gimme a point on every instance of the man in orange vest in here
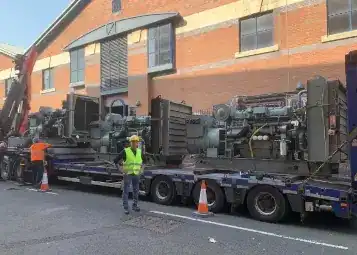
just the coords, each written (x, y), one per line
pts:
(37, 151)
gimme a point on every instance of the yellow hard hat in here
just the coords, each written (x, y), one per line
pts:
(134, 138)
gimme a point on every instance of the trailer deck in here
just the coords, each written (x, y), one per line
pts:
(301, 193)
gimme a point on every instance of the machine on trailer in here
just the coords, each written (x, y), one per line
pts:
(288, 132)
(312, 132)
(75, 133)
(163, 133)
(269, 193)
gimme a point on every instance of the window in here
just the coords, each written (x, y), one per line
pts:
(257, 32)
(116, 6)
(342, 16)
(161, 48)
(8, 83)
(77, 66)
(47, 79)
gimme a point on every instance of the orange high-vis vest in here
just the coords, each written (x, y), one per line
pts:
(38, 151)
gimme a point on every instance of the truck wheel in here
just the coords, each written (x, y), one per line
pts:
(215, 196)
(266, 203)
(19, 173)
(5, 170)
(163, 190)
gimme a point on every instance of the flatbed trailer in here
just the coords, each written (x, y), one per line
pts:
(268, 197)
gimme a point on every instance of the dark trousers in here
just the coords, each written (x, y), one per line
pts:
(37, 171)
(134, 180)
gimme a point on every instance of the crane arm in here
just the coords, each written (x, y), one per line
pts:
(14, 114)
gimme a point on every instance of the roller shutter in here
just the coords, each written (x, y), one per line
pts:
(114, 65)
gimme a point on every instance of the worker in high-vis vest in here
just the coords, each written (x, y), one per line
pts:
(37, 151)
(131, 161)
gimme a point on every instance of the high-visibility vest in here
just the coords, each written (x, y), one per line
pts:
(38, 151)
(132, 163)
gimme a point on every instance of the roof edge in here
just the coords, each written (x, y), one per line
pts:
(121, 26)
(10, 50)
(7, 54)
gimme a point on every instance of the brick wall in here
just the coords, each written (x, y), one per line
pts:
(99, 12)
(5, 62)
(207, 70)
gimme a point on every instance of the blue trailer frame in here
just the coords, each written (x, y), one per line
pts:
(338, 194)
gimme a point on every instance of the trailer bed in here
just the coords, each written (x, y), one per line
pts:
(332, 190)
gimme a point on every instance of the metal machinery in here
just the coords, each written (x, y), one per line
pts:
(162, 134)
(269, 194)
(111, 135)
(77, 132)
(290, 132)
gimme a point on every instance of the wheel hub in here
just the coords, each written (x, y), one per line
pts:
(265, 203)
(162, 190)
(211, 197)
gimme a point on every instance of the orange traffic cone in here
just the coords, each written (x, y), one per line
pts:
(202, 210)
(44, 183)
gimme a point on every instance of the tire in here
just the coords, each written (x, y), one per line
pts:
(19, 173)
(219, 200)
(5, 170)
(167, 195)
(276, 200)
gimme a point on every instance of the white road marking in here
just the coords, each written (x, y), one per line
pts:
(53, 210)
(48, 192)
(254, 231)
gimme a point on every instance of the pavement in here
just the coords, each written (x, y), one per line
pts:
(71, 221)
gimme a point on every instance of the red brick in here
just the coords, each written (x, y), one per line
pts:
(5, 62)
(252, 75)
(209, 47)
(90, 18)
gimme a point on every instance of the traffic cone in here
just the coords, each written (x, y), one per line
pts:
(44, 183)
(202, 210)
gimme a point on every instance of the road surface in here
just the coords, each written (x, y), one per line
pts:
(69, 221)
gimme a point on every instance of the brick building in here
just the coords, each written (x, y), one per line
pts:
(201, 51)
(7, 54)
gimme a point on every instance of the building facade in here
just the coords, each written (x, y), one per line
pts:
(203, 52)
(7, 55)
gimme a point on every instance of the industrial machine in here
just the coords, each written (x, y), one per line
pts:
(266, 152)
(292, 132)
(111, 134)
(78, 132)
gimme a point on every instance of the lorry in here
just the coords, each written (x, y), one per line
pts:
(274, 159)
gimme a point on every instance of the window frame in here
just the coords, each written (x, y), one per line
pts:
(76, 56)
(256, 32)
(116, 6)
(171, 48)
(349, 12)
(8, 86)
(51, 79)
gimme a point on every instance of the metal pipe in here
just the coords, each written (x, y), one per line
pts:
(327, 208)
(299, 96)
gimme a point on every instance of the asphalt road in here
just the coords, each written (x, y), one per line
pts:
(71, 221)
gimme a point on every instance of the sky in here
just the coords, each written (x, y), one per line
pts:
(22, 21)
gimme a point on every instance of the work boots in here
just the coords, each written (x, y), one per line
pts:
(136, 208)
